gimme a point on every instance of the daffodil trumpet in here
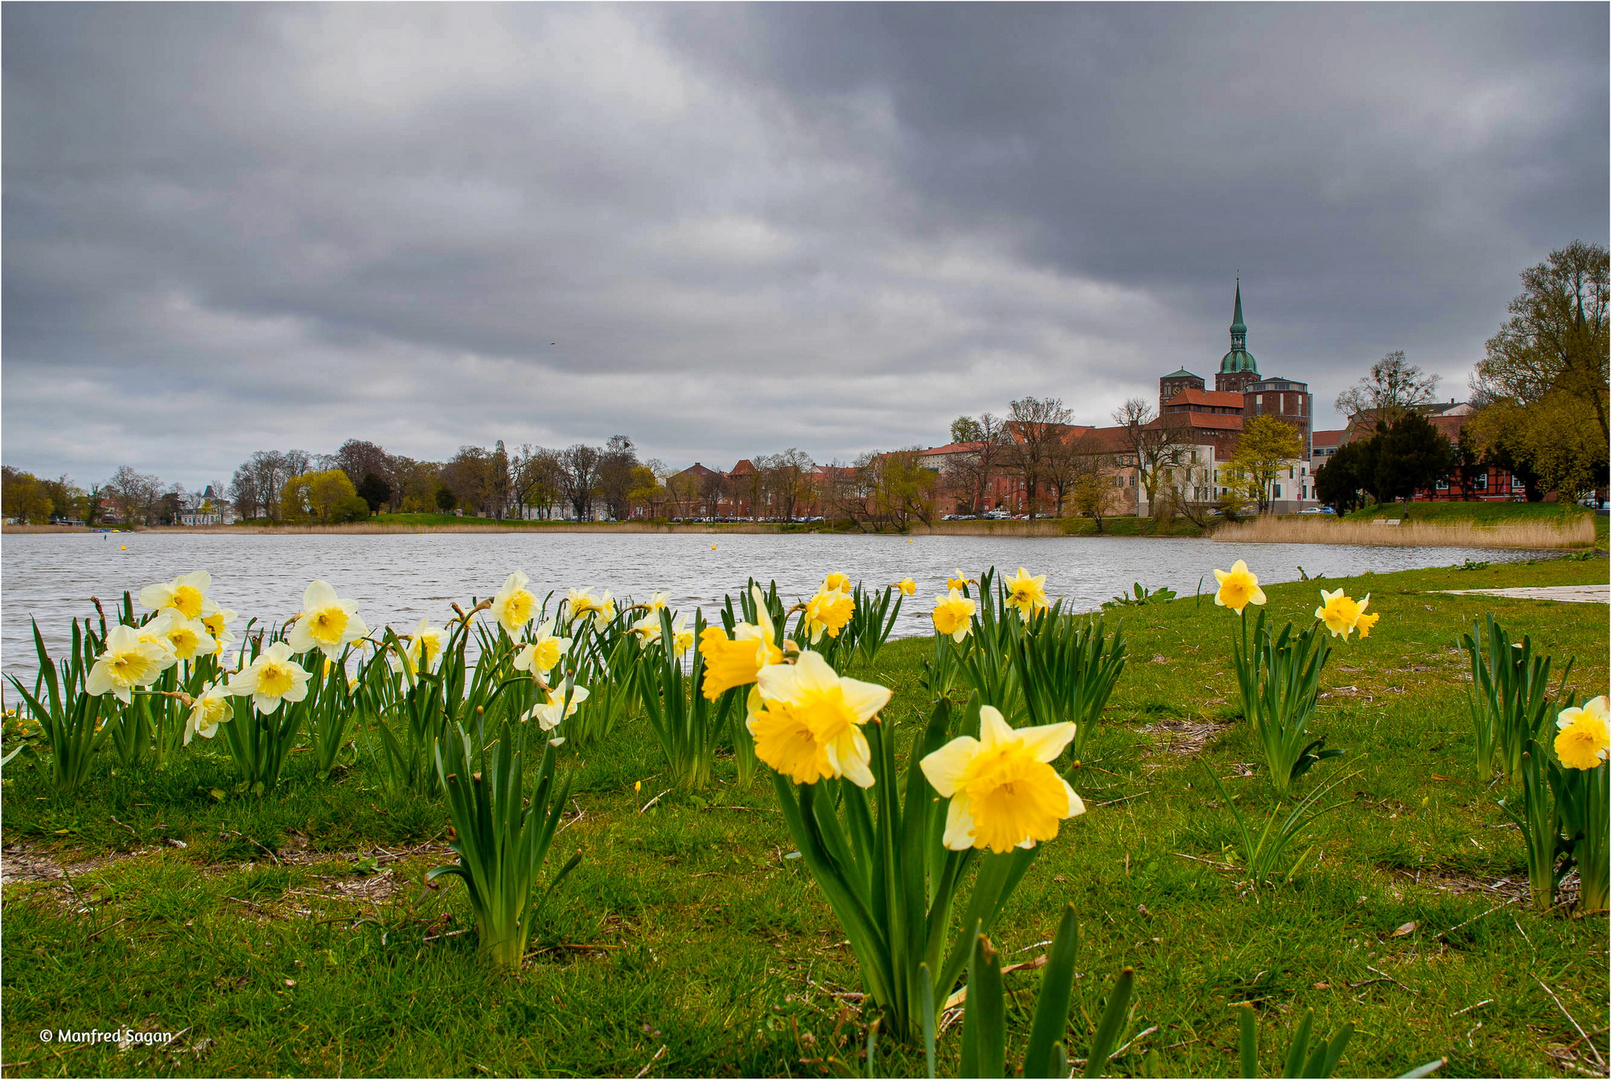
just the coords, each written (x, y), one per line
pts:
(501, 837)
(877, 854)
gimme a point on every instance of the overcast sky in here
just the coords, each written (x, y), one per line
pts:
(727, 230)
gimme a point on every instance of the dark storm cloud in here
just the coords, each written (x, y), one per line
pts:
(837, 227)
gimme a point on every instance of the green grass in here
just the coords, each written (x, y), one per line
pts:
(687, 927)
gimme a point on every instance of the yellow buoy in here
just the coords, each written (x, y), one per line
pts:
(125, 547)
(713, 547)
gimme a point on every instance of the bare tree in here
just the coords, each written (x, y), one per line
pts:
(578, 477)
(615, 475)
(1392, 388)
(1159, 450)
(534, 482)
(968, 473)
(1035, 425)
(788, 479)
(135, 494)
(468, 474)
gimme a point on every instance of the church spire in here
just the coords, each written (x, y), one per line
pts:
(1238, 327)
(1238, 359)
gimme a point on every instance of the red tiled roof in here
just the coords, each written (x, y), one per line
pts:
(743, 468)
(1222, 399)
(1222, 421)
(1327, 438)
(953, 448)
(1108, 440)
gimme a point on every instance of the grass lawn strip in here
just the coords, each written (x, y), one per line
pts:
(690, 943)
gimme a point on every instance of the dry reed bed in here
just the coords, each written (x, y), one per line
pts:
(1574, 533)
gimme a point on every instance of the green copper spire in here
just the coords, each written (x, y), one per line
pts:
(1238, 359)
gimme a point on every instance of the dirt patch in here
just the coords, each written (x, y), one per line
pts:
(1183, 736)
(1502, 890)
(19, 863)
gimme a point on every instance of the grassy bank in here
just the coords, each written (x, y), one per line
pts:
(297, 935)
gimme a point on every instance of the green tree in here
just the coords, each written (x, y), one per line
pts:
(325, 496)
(1347, 476)
(1410, 454)
(1267, 446)
(445, 499)
(1543, 383)
(24, 497)
(375, 492)
(965, 429)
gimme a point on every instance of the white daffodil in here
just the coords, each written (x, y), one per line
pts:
(208, 711)
(514, 604)
(561, 702)
(186, 594)
(582, 604)
(543, 653)
(328, 623)
(156, 631)
(647, 630)
(425, 646)
(657, 601)
(127, 662)
(272, 678)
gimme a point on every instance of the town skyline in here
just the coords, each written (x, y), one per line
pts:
(729, 231)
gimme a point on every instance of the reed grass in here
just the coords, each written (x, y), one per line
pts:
(1574, 532)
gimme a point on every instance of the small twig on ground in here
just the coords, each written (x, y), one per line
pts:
(1468, 922)
(1127, 798)
(658, 1054)
(1595, 1050)
(104, 929)
(449, 933)
(1390, 978)
(1468, 1008)
(650, 803)
(132, 833)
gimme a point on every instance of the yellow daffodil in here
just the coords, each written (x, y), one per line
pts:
(739, 660)
(514, 605)
(828, 611)
(953, 614)
(1584, 739)
(1365, 622)
(808, 722)
(958, 580)
(328, 623)
(907, 586)
(561, 702)
(217, 625)
(543, 653)
(425, 646)
(1004, 792)
(1027, 594)
(208, 711)
(186, 594)
(1239, 588)
(682, 637)
(1341, 614)
(272, 678)
(657, 601)
(836, 582)
(125, 663)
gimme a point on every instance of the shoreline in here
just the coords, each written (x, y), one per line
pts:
(1041, 527)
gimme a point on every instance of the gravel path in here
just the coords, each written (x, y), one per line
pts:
(1574, 594)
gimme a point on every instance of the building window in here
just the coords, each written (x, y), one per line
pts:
(1278, 491)
(1258, 399)
(1442, 484)
(1480, 482)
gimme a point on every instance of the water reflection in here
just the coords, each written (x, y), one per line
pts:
(398, 579)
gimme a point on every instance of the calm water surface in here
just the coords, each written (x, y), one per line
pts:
(398, 579)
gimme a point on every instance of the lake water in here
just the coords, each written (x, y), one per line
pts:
(398, 579)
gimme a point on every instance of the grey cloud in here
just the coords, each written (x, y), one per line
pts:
(230, 227)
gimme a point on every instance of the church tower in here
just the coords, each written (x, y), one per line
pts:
(1238, 369)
